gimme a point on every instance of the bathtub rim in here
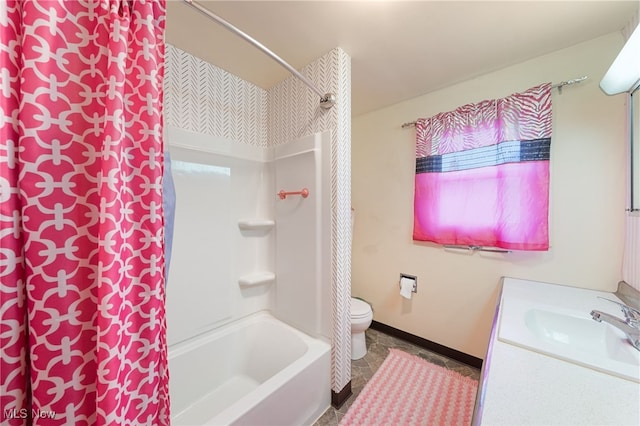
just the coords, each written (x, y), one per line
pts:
(228, 327)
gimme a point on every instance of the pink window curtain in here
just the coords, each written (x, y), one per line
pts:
(482, 173)
(82, 329)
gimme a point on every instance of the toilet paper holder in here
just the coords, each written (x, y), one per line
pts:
(411, 277)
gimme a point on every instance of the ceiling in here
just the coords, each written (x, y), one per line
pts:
(399, 49)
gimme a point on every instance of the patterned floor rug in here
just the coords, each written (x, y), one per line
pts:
(408, 390)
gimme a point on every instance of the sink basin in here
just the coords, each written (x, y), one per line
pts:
(564, 329)
(570, 335)
(580, 334)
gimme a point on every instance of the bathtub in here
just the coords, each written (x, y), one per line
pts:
(255, 371)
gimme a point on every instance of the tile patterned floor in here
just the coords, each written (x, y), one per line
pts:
(378, 345)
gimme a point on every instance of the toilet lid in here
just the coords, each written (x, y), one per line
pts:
(359, 308)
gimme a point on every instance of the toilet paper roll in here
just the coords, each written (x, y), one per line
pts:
(406, 287)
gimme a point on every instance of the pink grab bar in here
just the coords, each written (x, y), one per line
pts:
(283, 194)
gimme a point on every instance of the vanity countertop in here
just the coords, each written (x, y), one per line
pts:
(521, 386)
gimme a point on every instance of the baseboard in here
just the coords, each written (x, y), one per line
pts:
(428, 344)
(339, 398)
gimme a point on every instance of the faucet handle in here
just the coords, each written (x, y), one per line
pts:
(631, 314)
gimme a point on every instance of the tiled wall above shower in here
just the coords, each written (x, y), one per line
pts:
(205, 99)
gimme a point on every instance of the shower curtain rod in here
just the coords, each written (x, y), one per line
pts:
(558, 86)
(326, 101)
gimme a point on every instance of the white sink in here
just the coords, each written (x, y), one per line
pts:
(566, 329)
(562, 327)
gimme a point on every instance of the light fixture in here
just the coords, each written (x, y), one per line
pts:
(624, 74)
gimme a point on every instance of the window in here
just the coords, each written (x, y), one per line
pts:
(482, 173)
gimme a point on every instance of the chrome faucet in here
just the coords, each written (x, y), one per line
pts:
(630, 325)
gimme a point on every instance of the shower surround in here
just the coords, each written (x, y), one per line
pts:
(250, 129)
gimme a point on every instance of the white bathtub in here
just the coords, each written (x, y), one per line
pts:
(256, 371)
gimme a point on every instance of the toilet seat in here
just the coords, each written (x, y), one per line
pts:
(359, 309)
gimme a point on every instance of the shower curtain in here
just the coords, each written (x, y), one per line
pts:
(82, 330)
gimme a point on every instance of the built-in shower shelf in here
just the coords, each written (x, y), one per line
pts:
(257, 278)
(256, 224)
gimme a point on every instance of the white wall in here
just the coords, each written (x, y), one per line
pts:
(457, 291)
(303, 291)
(218, 183)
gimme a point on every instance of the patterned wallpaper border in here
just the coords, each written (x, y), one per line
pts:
(203, 98)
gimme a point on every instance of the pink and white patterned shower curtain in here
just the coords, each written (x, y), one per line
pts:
(482, 173)
(82, 331)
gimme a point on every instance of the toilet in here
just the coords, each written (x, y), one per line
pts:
(361, 317)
